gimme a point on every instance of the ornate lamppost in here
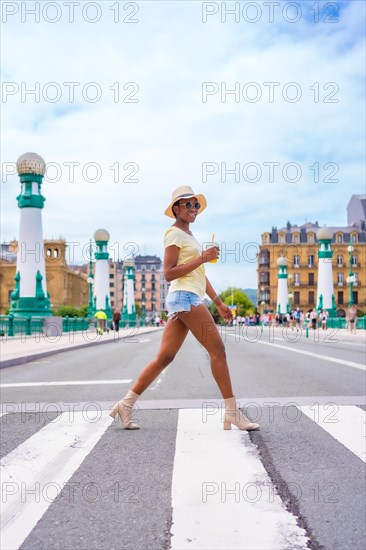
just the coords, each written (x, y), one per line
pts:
(351, 279)
(143, 304)
(90, 281)
(290, 294)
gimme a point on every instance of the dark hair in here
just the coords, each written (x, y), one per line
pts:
(175, 204)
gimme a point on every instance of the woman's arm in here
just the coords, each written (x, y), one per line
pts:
(173, 271)
(222, 308)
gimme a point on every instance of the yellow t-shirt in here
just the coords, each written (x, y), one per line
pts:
(189, 249)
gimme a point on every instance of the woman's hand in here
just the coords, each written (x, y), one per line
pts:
(225, 312)
(210, 254)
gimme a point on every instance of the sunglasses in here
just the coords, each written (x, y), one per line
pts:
(189, 205)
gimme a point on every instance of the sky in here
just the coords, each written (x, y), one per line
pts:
(257, 105)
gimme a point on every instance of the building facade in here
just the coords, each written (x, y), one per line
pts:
(66, 286)
(150, 284)
(299, 245)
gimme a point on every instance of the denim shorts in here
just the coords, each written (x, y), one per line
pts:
(181, 300)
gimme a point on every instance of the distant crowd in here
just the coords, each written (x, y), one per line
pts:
(312, 319)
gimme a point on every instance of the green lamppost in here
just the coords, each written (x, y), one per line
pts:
(351, 277)
(290, 295)
(143, 304)
(90, 281)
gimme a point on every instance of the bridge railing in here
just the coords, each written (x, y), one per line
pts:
(11, 325)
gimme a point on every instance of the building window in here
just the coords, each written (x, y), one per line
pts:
(49, 253)
(296, 239)
(340, 298)
(296, 261)
(112, 293)
(297, 279)
(354, 261)
(282, 239)
(355, 297)
(340, 260)
(340, 279)
(311, 299)
(310, 279)
(356, 278)
(339, 238)
(296, 298)
(111, 275)
(353, 238)
(112, 303)
(311, 238)
(111, 285)
(55, 253)
(266, 239)
(264, 259)
(311, 260)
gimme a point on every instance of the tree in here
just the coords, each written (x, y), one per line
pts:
(70, 311)
(237, 297)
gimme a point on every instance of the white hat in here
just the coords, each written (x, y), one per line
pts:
(185, 192)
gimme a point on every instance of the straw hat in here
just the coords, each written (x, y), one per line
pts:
(185, 192)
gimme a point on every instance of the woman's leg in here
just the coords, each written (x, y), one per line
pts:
(200, 322)
(174, 335)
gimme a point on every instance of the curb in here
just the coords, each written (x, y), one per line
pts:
(22, 360)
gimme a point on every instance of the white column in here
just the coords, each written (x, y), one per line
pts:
(101, 285)
(30, 257)
(282, 295)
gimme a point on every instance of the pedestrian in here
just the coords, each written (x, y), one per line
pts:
(116, 319)
(184, 262)
(313, 319)
(297, 317)
(101, 318)
(324, 318)
(352, 319)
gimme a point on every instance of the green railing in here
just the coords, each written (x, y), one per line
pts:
(341, 322)
(75, 324)
(11, 326)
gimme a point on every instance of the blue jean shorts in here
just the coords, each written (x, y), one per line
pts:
(181, 300)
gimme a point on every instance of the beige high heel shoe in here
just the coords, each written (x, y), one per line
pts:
(124, 410)
(234, 416)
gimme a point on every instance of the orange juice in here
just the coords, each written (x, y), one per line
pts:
(213, 244)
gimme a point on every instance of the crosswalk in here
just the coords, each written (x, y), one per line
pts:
(220, 495)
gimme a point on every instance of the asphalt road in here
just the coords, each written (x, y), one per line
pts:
(119, 496)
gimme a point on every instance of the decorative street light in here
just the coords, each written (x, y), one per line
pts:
(351, 279)
(90, 281)
(290, 295)
(143, 303)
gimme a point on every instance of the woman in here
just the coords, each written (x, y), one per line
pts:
(184, 266)
(352, 318)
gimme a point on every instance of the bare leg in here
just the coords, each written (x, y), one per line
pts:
(174, 335)
(200, 322)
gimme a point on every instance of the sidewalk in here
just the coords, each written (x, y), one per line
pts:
(17, 350)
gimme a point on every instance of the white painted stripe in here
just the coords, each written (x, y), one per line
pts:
(64, 383)
(37, 470)
(221, 494)
(347, 424)
(309, 353)
(329, 342)
(3, 413)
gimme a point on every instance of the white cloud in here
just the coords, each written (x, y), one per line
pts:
(170, 132)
